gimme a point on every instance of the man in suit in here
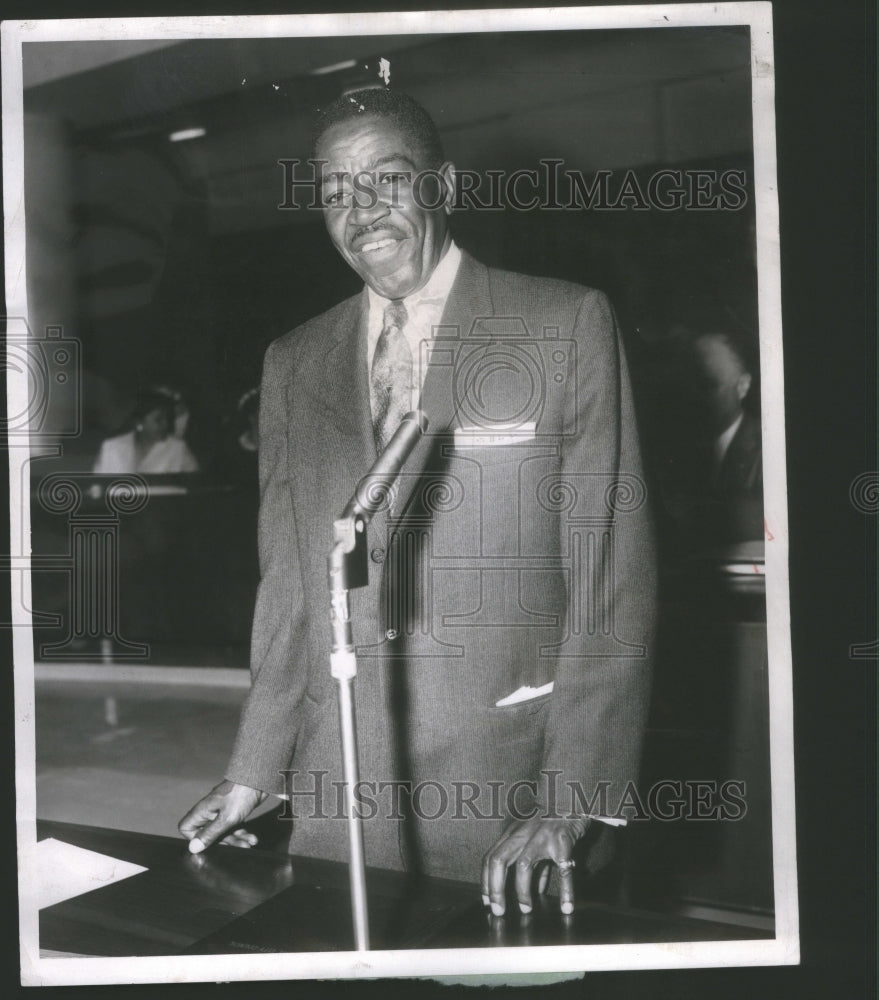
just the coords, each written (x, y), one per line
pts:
(733, 440)
(504, 637)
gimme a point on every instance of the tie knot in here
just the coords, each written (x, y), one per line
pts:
(395, 314)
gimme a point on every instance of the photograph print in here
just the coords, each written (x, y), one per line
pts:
(398, 505)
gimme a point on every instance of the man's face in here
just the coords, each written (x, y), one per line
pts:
(380, 218)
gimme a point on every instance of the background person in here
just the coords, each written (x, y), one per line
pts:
(732, 436)
(150, 447)
(238, 456)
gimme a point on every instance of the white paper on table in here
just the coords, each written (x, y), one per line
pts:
(62, 871)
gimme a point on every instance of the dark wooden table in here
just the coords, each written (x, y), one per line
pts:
(230, 901)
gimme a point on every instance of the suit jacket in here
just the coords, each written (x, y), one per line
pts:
(741, 472)
(507, 559)
(740, 485)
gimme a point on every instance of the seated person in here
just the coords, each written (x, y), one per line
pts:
(733, 478)
(149, 447)
(248, 418)
(236, 457)
(709, 457)
(180, 409)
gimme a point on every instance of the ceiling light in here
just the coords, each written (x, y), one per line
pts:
(187, 133)
(334, 67)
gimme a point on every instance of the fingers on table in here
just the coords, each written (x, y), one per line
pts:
(213, 821)
(240, 838)
(200, 815)
(531, 857)
(543, 870)
(494, 876)
(214, 830)
(498, 864)
(524, 877)
(529, 869)
(563, 847)
(566, 886)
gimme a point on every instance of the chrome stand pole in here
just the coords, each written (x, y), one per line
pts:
(343, 666)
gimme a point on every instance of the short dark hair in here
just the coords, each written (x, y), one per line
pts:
(150, 398)
(399, 108)
(735, 344)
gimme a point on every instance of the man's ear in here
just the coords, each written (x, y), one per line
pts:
(447, 172)
(743, 385)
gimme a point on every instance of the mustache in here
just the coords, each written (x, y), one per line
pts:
(384, 229)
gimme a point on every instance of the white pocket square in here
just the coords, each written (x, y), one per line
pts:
(490, 435)
(524, 693)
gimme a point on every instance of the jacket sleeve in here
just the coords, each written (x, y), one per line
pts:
(271, 714)
(598, 709)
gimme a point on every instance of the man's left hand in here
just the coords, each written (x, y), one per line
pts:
(532, 846)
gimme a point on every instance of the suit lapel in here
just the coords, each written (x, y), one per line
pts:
(335, 382)
(739, 465)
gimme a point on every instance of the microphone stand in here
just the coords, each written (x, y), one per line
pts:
(348, 569)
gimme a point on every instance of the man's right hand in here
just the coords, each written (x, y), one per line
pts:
(219, 812)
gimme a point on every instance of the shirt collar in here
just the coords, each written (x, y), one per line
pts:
(723, 441)
(434, 292)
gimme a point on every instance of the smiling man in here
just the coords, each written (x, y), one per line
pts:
(378, 177)
(504, 638)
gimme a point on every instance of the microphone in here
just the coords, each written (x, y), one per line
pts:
(372, 490)
(348, 569)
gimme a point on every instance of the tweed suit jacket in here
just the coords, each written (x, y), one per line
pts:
(517, 551)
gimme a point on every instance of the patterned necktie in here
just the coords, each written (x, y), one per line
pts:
(391, 378)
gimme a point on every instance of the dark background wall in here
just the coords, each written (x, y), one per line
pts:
(181, 268)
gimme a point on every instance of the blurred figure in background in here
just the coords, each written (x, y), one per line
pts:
(708, 454)
(248, 413)
(180, 409)
(733, 443)
(241, 440)
(150, 447)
